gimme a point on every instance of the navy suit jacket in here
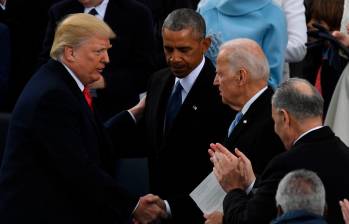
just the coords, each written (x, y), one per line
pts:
(57, 165)
(254, 135)
(319, 151)
(131, 54)
(4, 62)
(26, 22)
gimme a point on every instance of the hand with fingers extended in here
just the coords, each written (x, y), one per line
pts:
(345, 210)
(215, 217)
(245, 168)
(150, 208)
(232, 171)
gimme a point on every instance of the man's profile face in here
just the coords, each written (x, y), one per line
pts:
(227, 82)
(184, 50)
(90, 58)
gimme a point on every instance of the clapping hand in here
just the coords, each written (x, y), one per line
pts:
(232, 171)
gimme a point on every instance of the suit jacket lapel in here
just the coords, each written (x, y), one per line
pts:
(75, 89)
(158, 104)
(192, 102)
(249, 117)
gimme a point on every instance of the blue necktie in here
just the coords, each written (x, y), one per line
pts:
(93, 12)
(173, 105)
(233, 124)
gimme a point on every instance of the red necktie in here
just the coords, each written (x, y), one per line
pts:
(88, 97)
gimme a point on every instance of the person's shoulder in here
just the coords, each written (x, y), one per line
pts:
(205, 6)
(132, 6)
(160, 74)
(272, 11)
(63, 6)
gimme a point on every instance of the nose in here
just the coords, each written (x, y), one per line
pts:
(175, 56)
(105, 57)
(216, 81)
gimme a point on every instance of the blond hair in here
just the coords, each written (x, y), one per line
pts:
(77, 28)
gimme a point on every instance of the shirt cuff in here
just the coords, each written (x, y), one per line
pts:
(135, 207)
(249, 189)
(133, 117)
(168, 209)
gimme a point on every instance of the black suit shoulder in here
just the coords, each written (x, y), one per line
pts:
(313, 152)
(255, 136)
(64, 162)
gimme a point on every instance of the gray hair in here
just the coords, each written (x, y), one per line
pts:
(246, 53)
(301, 190)
(180, 19)
(299, 98)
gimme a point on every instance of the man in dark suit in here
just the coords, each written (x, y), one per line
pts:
(242, 78)
(26, 22)
(58, 164)
(131, 55)
(177, 146)
(297, 110)
(5, 59)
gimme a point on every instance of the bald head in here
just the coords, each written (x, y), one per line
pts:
(246, 54)
(299, 98)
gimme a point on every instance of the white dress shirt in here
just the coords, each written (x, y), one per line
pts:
(188, 81)
(101, 9)
(3, 5)
(76, 79)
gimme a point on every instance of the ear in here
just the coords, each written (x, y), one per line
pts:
(69, 54)
(286, 119)
(206, 43)
(243, 73)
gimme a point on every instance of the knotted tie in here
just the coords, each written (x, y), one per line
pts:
(93, 12)
(233, 124)
(88, 97)
(173, 106)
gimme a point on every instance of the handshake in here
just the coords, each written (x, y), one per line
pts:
(150, 209)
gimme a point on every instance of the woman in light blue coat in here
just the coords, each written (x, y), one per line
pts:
(260, 20)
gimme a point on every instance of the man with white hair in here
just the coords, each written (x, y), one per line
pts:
(300, 198)
(297, 109)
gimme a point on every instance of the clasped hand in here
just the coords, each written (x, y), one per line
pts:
(150, 209)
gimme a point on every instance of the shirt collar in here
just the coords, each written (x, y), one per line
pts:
(78, 82)
(250, 101)
(310, 130)
(3, 6)
(101, 9)
(188, 81)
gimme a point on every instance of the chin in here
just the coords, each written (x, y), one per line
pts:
(179, 74)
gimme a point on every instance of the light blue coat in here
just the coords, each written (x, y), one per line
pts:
(260, 20)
